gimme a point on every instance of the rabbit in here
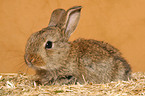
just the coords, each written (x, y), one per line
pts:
(56, 60)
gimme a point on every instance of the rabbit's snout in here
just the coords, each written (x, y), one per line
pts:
(29, 60)
(34, 61)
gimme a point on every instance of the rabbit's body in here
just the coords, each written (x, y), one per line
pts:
(104, 64)
(58, 61)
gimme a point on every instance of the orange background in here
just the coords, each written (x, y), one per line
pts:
(118, 22)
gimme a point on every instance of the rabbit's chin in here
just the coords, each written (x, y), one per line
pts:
(38, 67)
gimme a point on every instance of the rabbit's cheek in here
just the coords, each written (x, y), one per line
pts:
(38, 62)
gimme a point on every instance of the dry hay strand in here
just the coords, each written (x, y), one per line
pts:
(13, 84)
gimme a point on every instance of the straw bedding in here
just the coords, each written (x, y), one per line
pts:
(13, 84)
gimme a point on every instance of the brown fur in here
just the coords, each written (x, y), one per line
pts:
(70, 62)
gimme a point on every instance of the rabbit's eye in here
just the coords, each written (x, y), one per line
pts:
(48, 45)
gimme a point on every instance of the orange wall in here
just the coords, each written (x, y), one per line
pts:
(119, 22)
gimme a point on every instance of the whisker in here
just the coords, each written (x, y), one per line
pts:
(21, 63)
(22, 67)
(26, 70)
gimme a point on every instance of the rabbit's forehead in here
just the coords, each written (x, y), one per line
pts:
(43, 36)
(51, 34)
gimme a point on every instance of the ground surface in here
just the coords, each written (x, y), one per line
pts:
(12, 84)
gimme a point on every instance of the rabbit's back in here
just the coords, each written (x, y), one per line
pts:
(100, 62)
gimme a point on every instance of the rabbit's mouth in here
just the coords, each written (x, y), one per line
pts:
(29, 63)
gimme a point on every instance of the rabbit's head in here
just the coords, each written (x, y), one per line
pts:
(49, 47)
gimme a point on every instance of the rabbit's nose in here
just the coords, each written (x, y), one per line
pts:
(29, 60)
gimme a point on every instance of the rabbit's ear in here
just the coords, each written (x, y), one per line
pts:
(70, 20)
(56, 16)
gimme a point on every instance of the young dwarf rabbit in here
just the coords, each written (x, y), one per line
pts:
(58, 61)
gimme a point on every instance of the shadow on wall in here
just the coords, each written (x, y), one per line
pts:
(121, 23)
